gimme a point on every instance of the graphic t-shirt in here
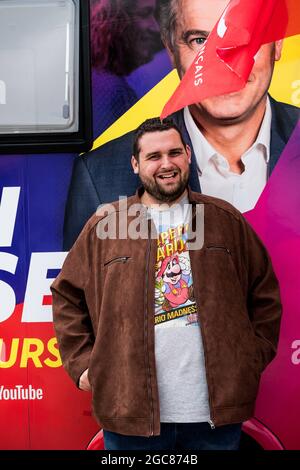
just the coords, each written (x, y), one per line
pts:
(180, 364)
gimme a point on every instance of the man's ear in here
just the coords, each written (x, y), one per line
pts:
(135, 165)
(278, 49)
(189, 152)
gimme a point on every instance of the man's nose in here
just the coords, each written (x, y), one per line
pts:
(166, 162)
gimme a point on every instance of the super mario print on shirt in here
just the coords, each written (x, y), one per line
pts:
(174, 297)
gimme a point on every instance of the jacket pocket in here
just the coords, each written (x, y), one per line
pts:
(218, 248)
(118, 259)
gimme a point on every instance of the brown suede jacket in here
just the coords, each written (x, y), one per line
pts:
(103, 307)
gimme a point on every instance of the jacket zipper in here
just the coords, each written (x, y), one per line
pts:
(220, 248)
(119, 259)
(146, 325)
(211, 423)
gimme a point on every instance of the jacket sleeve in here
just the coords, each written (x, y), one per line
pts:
(71, 317)
(82, 202)
(263, 300)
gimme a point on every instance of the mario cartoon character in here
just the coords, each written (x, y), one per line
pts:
(172, 283)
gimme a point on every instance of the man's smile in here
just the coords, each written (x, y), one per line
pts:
(169, 176)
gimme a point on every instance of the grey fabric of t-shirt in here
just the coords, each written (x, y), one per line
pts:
(180, 363)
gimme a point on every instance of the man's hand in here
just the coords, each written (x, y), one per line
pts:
(84, 383)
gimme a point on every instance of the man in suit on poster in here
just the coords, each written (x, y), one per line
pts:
(235, 139)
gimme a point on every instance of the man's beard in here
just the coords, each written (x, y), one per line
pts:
(164, 194)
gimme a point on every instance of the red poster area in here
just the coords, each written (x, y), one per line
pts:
(40, 405)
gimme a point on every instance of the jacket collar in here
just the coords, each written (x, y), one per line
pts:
(281, 130)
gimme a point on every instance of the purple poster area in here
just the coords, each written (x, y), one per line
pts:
(276, 220)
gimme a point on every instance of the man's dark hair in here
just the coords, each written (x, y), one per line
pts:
(167, 19)
(154, 125)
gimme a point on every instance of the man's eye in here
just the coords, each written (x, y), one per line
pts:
(153, 157)
(174, 154)
(197, 42)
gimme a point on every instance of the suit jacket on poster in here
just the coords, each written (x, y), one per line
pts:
(104, 174)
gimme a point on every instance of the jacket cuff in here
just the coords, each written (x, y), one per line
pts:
(78, 367)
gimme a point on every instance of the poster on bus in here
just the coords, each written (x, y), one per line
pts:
(138, 56)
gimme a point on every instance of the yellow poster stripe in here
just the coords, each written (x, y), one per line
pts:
(285, 87)
(148, 106)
